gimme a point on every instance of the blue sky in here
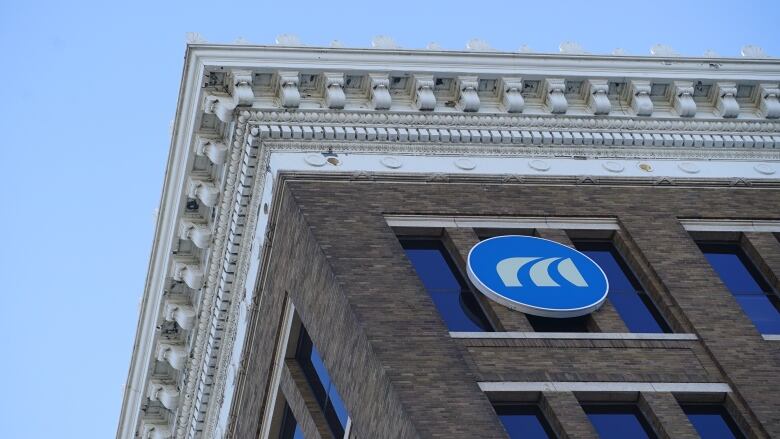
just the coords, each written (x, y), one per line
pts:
(88, 95)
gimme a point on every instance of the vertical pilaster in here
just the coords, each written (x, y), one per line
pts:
(764, 250)
(460, 241)
(665, 415)
(302, 403)
(566, 416)
(715, 316)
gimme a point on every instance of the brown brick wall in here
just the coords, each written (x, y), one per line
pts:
(391, 357)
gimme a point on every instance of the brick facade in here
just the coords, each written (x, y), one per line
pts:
(402, 375)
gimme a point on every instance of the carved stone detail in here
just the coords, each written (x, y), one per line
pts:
(214, 149)
(239, 93)
(384, 42)
(179, 312)
(199, 234)
(166, 394)
(640, 97)
(683, 98)
(597, 96)
(240, 87)
(203, 190)
(751, 51)
(423, 93)
(511, 90)
(768, 100)
(554, 98)
(379, 91)
(334, 90)
(173, 354)
(287, 89)
(468, 99)
(367, 118)
(156, 430)
(663, 50)
(189, 273)
(726, 99)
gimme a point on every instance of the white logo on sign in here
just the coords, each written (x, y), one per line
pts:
(540, 271)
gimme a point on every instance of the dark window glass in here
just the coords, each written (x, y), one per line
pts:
(450, 293)
(712, 421)
(550, 324)
(321, 385)
(625, 293)
(618, 422)
(290, 428)
(746, 284)
(524, 421)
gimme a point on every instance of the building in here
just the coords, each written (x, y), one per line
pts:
(308, 275)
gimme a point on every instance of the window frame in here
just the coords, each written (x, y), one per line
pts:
(429, 242)
(535, 407)
(715, 245)
(619, 408)
(714, 408)
(643, 293)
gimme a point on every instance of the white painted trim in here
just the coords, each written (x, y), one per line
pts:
(726, 225)
(278, 365)
(582, 386)
(573, 335)
(503, 222)
(472, 62)
(771, 337)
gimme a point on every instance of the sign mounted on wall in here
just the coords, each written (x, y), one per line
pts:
(537, 276)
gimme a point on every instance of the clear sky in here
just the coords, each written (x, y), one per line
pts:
(88, 97)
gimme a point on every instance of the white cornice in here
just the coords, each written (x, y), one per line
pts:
(225, 157)
(314, 58)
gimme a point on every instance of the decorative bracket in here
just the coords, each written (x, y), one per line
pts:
(379, 91)
(511, 95)
(554, 97)
(423, 93)
(468, 99)
(221, 105)
(241, 87)
(683, 98)
(334, 90)
(640, 97)
(768, 95)
(726, 99)
(239, 93)
(174, 354)
(287, 89)
(204, 190)
(214, 149)
(189, 273)
(165, 393)
(179, 312)
(156, 431)
(199, 234)
(597, 96)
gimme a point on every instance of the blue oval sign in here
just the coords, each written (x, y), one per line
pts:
(537, 276)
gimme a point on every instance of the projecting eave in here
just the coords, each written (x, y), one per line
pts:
(240, 105)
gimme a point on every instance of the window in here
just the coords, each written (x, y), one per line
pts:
(550, 324)
(450, 293)
(524, 421)
(745, 283)
(290, 428)
(323, 388)
(625, 293)
(618, 421)
(712, 421)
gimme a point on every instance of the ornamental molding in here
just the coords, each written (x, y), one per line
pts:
(297, 99)
(540, 121)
